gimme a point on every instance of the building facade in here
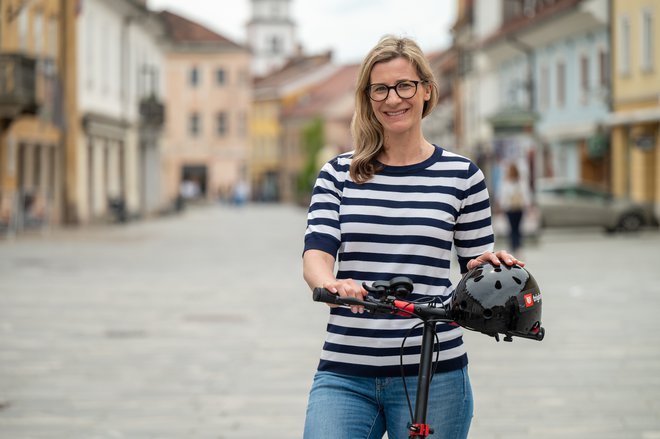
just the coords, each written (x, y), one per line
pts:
(635, 121)
(115, 160)
(206, 140)
(274, 163)
(440, 126)
(572, 94)
(476, 87)
(31, 151)
(552, 63)
(535, 87)
(316, 129)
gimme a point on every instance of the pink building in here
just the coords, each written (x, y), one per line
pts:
(206, 138)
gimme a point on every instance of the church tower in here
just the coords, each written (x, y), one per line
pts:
(271, 35)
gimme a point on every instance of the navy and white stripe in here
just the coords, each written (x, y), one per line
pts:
(405, 221)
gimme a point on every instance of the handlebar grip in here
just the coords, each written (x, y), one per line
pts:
(323, 295)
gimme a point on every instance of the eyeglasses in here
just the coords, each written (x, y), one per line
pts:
(403, 89)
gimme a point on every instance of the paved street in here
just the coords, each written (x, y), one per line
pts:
(199, 326)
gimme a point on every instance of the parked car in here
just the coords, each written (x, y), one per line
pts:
(569, 204)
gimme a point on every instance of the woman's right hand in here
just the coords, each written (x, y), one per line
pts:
(347, 288)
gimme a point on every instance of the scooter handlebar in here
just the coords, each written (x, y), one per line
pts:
(325, 296)
(398, 307)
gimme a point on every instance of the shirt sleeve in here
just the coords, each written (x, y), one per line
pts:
(473, 233)
(323, 227)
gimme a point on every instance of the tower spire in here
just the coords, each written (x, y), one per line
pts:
(271, 35)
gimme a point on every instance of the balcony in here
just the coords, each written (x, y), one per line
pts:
(152, 112)
(18, 91)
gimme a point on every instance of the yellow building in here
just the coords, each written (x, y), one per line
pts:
(271, 165)
(266, 132)
(31, 180)
(635, 122)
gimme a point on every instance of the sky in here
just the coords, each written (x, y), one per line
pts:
(347, 27)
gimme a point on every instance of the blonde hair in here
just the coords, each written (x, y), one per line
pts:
(367, 131)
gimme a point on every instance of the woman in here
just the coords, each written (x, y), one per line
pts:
(514, 199)
(392, 207)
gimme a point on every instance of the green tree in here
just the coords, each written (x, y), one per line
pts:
(312, 143)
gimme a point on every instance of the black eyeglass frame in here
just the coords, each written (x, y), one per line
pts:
(393, 87)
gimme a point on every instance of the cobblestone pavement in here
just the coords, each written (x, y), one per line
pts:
(199, 326)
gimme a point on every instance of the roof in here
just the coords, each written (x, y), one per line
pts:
(184, 30)
(300, 73)
(321, 97)
(524, 22)
(294, 68)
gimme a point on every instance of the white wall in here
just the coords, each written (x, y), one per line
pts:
(99, 59)
(487, 17)
(112, 57)
(120, 61)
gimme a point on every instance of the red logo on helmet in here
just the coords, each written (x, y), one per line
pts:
(529, 300)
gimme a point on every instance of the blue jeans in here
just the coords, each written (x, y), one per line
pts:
(350, 407)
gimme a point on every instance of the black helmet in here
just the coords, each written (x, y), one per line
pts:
(499, 300)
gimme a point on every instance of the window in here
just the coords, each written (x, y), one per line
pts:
(624, 45)
(53, 39)
(221, 124)
(647, 41)
(220, 76)
(194, 76)
(544, 93)
(194, 125)
(584, 79)
(104, 35)
(561, 84)
(23, 28)
(39, 33)
(603, 68)
(275, 45)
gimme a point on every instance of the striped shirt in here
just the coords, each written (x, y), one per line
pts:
(405, 221)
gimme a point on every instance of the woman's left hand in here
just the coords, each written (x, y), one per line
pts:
(495, 259)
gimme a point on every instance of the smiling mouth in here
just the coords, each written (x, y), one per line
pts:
(395, 113)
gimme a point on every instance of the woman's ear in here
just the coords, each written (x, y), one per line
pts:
(427, 91)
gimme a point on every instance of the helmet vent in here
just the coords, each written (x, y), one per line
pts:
(516, 280)
(478, 278)
(498, 285)
(497, 269)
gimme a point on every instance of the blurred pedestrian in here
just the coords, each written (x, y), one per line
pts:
(241, 192)
(395, 206)
(514, 199)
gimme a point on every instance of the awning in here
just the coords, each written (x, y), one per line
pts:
(513, 119)
(633, 117)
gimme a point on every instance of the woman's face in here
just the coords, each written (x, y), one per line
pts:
(398, 115)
